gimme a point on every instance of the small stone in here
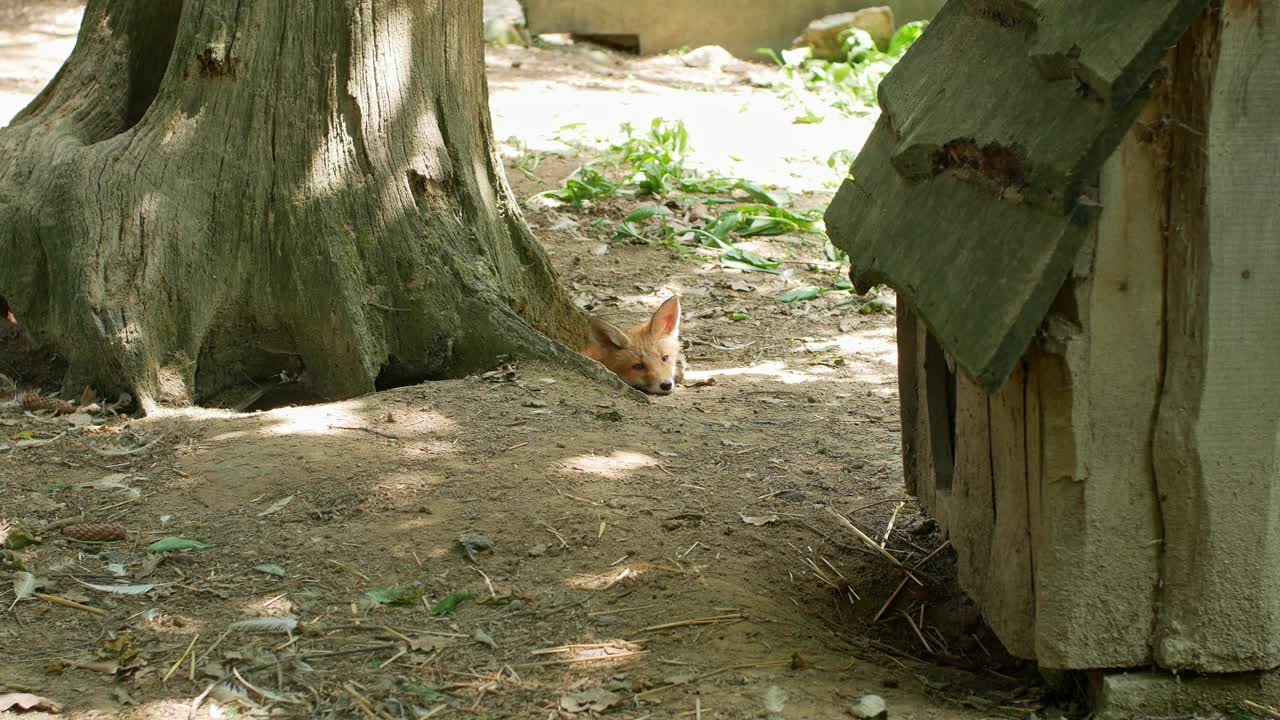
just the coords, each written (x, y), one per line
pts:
(871, 707)
(824, 34)
(708, 57)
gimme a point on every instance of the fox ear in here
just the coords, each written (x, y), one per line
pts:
(608, 335)
(666, 320)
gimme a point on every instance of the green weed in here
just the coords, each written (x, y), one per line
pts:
(848, 86)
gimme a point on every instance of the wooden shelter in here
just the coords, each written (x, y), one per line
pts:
(740, 26)
(1083, 227)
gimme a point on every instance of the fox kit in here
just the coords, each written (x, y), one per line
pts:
(647, 357)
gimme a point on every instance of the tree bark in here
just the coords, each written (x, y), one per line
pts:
(212, 192)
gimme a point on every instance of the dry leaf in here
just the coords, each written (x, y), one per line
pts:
(148, 566)
(285, 624)
(27, 701)
(484, 638)
(429, 643)
(597, 700)
(120, 589)
(276, 506)
(24, 583)
(759, 521)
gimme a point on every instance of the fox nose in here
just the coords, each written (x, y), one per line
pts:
(666, 386)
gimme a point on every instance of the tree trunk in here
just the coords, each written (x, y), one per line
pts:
(212, 192)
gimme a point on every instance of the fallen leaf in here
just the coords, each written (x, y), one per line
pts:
(121, 589)
(597, 700)
(484, 638)
(474, 542)
(449, 604)
(759, 521)
(106, 667)
(148, 566)
(398, 596)
(426, 693)
(122, 696)
(277, 625)
(276, 506)
(24, 584)
(176, 544)
(429, 643)
(27, 701)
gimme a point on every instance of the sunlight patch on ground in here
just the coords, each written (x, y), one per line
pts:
(313, 419)
(606, 580)
(401, 485)
(269, 606)
(616, 465)
(594, 652)
(327, 419)
(732, 131)
(774, 370)
(878, 344)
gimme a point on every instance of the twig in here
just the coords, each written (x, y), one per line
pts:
(890, 600)
(59, 524)
(860, 508)
(213, 647)
(559, 537)
(928, 648)
(713, 673)
(892, 519)
(929, 557)
(487, 581)
(199, 699)
(1262, 709)
(576, 660)
(350, 569)
(69, 603)
(872, 544)
(363, 702)
(181, 657)
(122, 453)
(620, 610)
(585, 646)
(371, 431)
(274, 697)
(714, 620)
(579, 499)
(393, 658)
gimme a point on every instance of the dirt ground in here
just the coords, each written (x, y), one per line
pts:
(672, 559)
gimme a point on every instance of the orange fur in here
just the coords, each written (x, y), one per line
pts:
(647, 357)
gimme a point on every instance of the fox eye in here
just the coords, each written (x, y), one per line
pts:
(638, 366)
(666, 358)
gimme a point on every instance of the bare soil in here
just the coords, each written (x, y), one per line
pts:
(672, 559)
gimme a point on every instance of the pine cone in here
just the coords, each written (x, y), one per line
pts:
(34, 402)
(95, 532)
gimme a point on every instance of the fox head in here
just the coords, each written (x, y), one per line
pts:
(647, 356)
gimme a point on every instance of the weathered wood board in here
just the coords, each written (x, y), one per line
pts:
(1217, 453)
(971, 197)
